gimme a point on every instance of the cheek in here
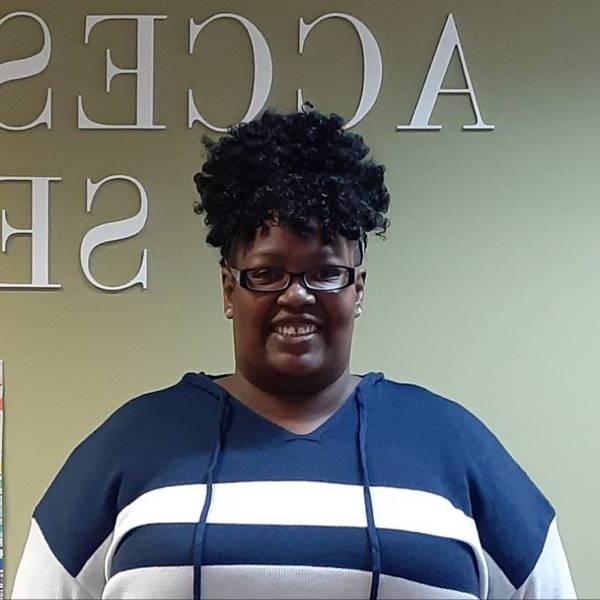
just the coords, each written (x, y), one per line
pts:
(340, 312)
(251, 321)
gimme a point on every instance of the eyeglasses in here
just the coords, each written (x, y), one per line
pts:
(327, 278)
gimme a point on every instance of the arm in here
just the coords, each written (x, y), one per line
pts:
(516, 523)
(551, 577)
(72, 525)
(41, 574)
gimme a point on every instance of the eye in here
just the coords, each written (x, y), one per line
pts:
(326, 273)
(265, 275)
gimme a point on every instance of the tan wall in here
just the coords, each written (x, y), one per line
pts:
(486, 291)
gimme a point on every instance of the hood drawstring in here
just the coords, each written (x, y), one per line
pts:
(224, 422)
(200, 529)
(371, 529)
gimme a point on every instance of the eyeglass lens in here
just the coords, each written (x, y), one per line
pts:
(328, 277)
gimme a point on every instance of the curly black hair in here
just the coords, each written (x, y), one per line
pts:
(290, 168)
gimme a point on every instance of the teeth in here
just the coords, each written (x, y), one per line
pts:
(295, 330)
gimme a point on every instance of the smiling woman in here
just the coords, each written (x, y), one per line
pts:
(292, 477)
(286, 341)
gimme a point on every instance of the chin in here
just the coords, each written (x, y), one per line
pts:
(295, 366)
(293, 374)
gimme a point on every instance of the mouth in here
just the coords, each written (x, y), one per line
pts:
(295, 331)
(295, 334)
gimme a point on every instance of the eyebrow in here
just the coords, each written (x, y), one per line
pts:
(324, 253)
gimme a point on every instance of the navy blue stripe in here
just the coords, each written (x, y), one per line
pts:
(426, 559)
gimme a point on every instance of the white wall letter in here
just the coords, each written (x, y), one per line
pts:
(372, 64)
(263, 70)
(435, 77)
(27, 67)
(115, 231)
(39, 232)
(144, 73)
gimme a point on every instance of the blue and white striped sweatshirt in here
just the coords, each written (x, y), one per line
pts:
(187, 493)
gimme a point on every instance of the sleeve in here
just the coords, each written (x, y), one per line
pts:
(551, 577)
(516, 525)
(72, 525)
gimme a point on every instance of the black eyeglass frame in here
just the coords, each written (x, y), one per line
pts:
(241, 276)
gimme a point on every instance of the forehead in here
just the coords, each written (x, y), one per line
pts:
(277, 240)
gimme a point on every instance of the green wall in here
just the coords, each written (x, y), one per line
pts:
(486, 290)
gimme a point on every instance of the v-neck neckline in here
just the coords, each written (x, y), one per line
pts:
(276, 430)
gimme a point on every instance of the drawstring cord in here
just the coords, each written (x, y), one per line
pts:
(200, 529)
(371, 529)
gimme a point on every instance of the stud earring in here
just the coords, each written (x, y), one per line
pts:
(229, 313)
(358, 311)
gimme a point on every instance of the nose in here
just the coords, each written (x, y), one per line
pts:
(296, 294)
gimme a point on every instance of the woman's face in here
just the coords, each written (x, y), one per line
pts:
(277, 362)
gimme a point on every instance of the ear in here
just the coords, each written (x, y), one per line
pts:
(228, 284)
(360, 285)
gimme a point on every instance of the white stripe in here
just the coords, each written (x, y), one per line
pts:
(267, 582)
(41, 575)
(156, 583)
(288, 503)
(500, 586)
(91, 575)
(300, 503)
(421, 512)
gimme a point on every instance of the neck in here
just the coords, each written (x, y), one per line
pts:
(299, 411)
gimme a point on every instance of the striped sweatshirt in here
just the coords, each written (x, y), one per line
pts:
(187, 493)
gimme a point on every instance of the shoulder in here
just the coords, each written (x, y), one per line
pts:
(454, 450)
(144, 431)
(156, 411)
(453, 453)
(426, 411)
(190, 392)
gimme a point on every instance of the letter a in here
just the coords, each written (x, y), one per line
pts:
(432, 87)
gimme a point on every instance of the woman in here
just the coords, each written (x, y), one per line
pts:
(292, 477)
